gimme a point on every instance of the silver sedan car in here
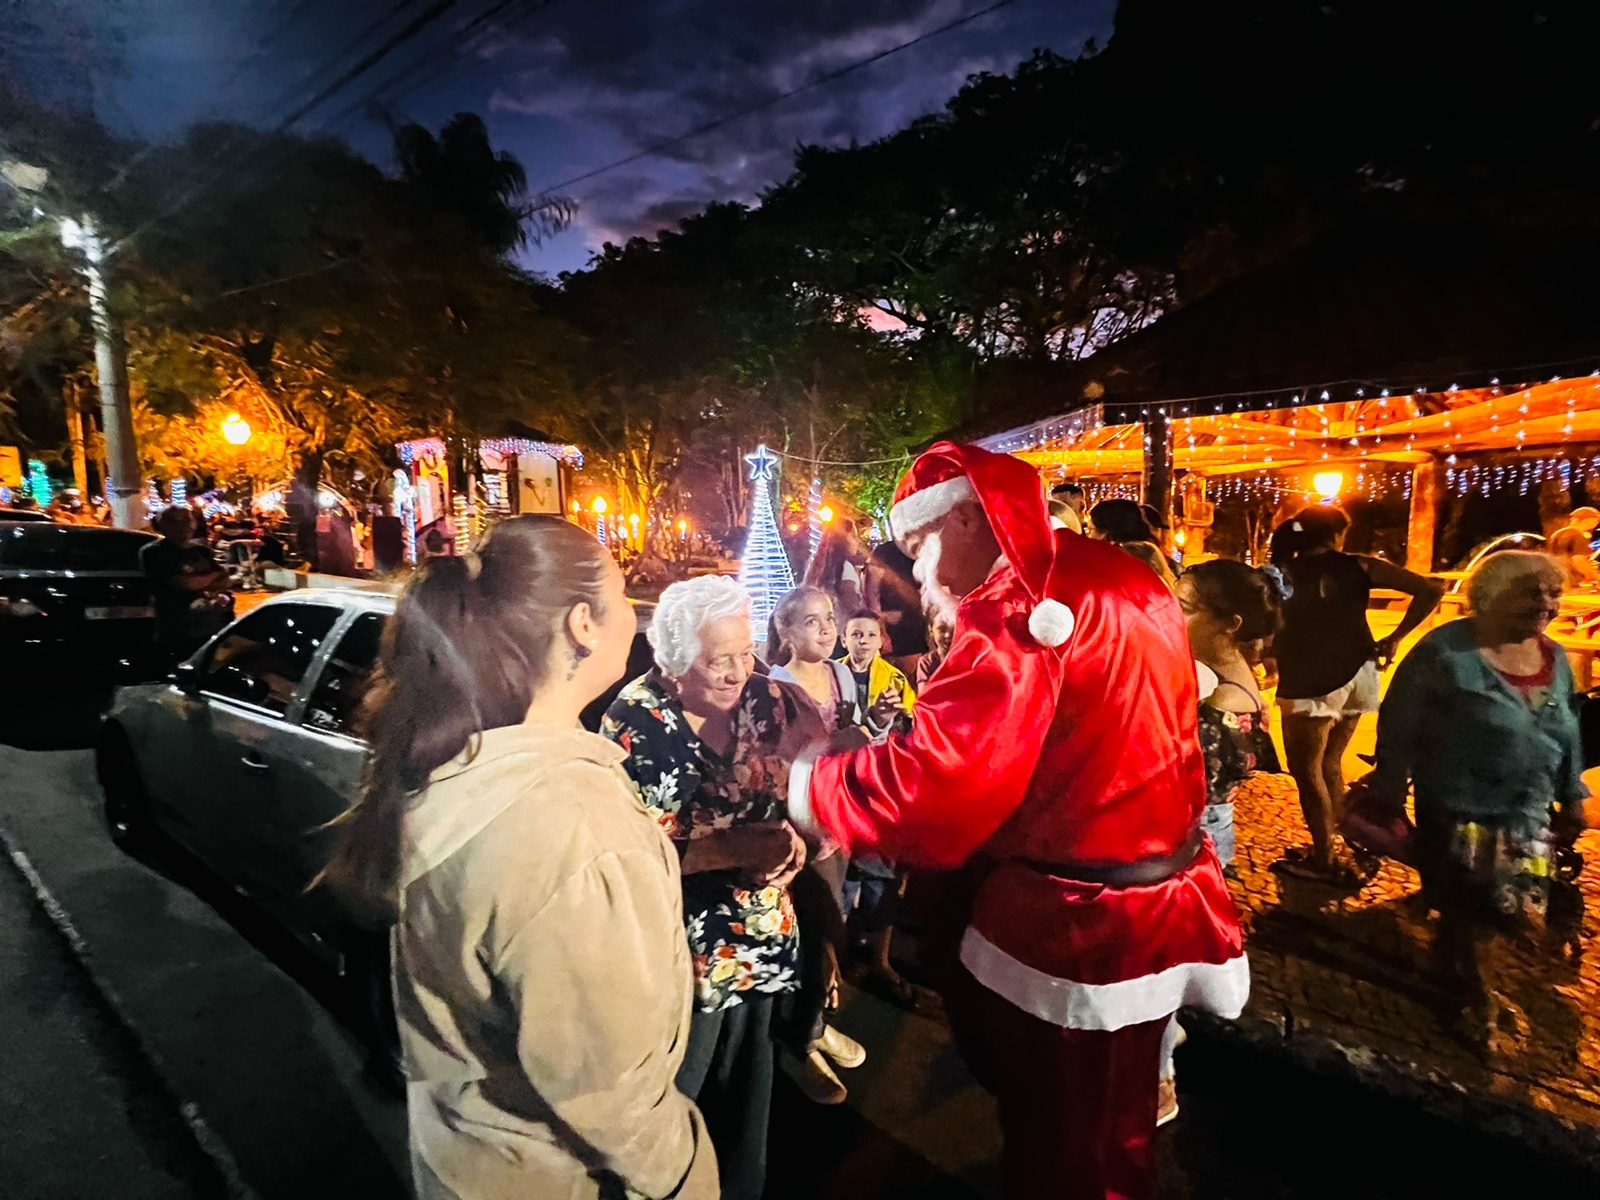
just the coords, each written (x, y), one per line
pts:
(246, 753)
(249, 749)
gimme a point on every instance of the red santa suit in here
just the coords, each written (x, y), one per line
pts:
(1058, 740)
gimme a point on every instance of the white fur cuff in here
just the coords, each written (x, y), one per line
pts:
(800, 794)
(927, 506)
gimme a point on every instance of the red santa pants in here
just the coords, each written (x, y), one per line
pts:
(1077, 1106)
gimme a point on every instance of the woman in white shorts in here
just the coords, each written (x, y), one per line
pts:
(1328, 667)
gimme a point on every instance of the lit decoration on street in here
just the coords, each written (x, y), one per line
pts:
(418, 447)
(180, 491)
(814, 507)
(1328, 483)
(38, 483)
(405, 503)
(235, 429)
(462, 523)
(765, 572)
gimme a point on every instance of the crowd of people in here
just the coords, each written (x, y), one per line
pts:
(608, 944)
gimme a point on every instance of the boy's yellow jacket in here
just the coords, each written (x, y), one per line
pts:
(882, 674)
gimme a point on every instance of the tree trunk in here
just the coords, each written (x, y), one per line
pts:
(301, 505)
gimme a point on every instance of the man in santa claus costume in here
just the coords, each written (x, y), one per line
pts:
(1055, 756)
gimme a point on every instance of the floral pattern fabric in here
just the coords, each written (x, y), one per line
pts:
(742, 938)
(1236, 744)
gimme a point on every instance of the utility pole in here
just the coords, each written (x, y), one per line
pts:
(125, 483)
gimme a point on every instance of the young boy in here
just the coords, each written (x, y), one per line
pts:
(884, 697)
(883, 692)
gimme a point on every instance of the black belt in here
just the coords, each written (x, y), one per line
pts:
(1143, 873)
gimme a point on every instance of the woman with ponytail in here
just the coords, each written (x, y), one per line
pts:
(1328, 668)
(542, 982)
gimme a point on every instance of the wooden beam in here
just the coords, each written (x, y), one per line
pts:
(1420, 523)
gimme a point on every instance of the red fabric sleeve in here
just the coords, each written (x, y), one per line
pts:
(934, 796)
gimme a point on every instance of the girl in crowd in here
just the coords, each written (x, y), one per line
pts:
(541, 979)
(1232, 610)
(1328, 667)
(803, 633)
(709, 744)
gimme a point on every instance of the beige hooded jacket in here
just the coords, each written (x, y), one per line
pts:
(542, 980)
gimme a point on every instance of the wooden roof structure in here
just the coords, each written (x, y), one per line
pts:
(1408, 429)
(1429, 319)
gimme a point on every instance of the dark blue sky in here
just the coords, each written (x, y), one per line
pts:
(566, 85)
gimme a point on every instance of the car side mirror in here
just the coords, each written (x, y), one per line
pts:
(186, 677)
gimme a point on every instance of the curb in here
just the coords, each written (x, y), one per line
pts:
(205, 1138)
(1542, 1132)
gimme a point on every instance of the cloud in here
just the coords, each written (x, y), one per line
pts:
(567, 85)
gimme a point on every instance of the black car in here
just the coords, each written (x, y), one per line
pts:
(74, 597)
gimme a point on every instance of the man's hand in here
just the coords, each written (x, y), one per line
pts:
(886, 707)
(1386, 650)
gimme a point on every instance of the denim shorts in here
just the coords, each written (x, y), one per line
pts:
(1217, 820)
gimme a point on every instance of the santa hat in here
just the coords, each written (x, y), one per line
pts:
(1012, 496)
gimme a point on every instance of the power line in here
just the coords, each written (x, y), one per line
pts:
(826, 77)
(372, 27)
(412, 27)
(443, 58)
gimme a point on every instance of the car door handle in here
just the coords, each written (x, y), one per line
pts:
(254, 764)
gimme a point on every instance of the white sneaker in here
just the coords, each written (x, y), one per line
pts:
(845, 1051)
(814, 1077)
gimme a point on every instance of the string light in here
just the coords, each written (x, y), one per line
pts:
(814, 515)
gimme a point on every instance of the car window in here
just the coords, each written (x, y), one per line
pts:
(336, 700)
(261, 658)
(40, 547)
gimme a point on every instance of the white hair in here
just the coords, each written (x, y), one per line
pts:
(684, 610)
(938, 601)
(1501, 572)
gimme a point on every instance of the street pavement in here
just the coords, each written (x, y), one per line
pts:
(82, 1111)
(197, 1050)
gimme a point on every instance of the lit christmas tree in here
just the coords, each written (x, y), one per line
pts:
(765, 571)
(38, 482)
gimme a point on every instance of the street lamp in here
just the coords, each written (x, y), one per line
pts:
(600, 505)
(236, 429)
(825, 514)
(1327, 484)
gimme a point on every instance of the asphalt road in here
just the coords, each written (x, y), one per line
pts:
(186, 997)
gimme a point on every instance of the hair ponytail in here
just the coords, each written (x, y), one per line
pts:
(467, 647)
(1229, 588)
(1316, 528)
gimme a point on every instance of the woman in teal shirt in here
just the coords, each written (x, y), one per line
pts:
(1480, 720)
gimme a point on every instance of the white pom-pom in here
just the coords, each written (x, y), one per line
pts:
(1051, 622)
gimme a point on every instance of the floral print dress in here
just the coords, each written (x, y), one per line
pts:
(1236, 746)
(742, 938)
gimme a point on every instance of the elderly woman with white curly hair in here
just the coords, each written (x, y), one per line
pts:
(709, 745)
(1480, 720)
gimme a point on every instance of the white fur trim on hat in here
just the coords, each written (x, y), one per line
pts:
(1051, 622)
(927, 506)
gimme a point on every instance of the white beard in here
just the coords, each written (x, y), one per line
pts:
(939, 603)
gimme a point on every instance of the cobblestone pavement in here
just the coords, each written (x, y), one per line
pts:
(1359, 977)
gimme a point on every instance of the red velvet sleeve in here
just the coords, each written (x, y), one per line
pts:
(934, 796)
